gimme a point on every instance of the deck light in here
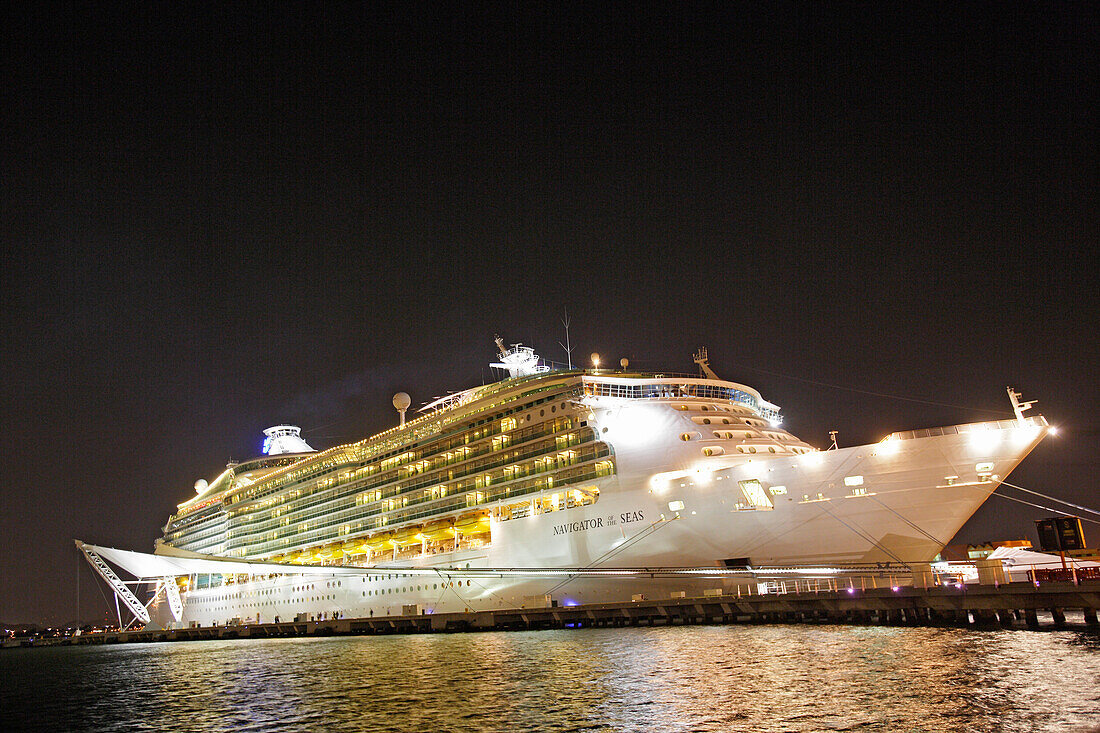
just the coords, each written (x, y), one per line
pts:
(889, 446)
(984, 438)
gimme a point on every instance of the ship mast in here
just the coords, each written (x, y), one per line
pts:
(1017, 406)
(568, 350)
(700, 358)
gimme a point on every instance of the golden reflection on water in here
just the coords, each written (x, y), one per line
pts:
(710, 678)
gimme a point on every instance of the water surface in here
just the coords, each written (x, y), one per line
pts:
(700, 678)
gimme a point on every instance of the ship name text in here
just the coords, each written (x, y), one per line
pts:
(584, 525)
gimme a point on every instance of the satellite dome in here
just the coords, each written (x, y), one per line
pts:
(401, 401)
(201, 485)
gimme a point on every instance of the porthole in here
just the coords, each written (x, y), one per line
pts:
(542, 413)
(553, 408)
(706, 421)
(604, 430)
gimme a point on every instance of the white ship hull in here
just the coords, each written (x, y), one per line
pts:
(897, 501)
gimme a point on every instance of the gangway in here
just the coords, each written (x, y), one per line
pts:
(117, 585)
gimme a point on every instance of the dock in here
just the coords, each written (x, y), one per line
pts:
(1021, 605)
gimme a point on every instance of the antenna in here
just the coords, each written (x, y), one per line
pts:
(1017, 406)
(568, 350)
(700, 358)
(832, 436)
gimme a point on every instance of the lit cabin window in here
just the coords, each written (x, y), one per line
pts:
(853, 481)
(676, 506)
(713, 450)
(778, 490)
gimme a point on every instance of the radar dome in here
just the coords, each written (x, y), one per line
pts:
(201, 486)
(595, 359)
(624, 363)
(401, 401)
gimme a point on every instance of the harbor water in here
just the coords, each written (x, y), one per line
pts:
(693, 678)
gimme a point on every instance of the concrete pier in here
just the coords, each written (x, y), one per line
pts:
(1015, 605)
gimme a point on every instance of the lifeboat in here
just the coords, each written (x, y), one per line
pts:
(377, 542)
(406, 537)
(473, 524)
(437, 531)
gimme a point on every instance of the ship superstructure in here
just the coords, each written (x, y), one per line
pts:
(566, 469)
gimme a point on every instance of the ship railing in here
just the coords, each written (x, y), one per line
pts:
(1034, 422)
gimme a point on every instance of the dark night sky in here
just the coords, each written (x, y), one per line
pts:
(214, 221)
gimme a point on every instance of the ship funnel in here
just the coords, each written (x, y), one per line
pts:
(285, 439)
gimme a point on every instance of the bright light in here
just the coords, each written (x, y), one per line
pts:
(813, 458)
(1052, 430)
(985, 439)
(676, 506)
(889, 446)
(634, 426)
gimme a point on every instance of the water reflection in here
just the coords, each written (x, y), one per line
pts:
(715, 678)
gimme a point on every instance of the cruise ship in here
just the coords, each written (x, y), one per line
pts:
(554, 486)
